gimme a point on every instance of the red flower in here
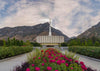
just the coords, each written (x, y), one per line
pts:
(43, 56)
(66, 58)
(44, 60)
(42, 64)
(34, 57)
(82, 63)
(56, 58)
(52, 60)
(59, 62)
(76, 61)
(46, 51)
(56, 70)
(37, 68)
(66, 64)
(39, 58)
(71, 68)
(41, 50)
(83, 67)
(28, 69)
(70, 60)
(32, 65)
(49, 68)
(63, 61)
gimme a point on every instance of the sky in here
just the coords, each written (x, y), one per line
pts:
(72, 17)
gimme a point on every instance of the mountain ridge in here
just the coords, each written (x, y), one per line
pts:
(29, 32)
(94, 31)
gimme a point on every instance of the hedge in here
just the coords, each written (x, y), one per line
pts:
(86, 50)
(6, 52)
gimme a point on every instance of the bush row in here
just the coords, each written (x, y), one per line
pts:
(6, 52)
(93, 41)
(86, 50)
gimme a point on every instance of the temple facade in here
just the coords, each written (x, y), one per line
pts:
(50, 40)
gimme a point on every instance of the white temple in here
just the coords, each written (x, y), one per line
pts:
(50, 40)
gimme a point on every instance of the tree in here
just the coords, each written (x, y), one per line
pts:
(8, 42)
(97, 43)
(89, 42)
(4, 43)
(86, 43)
(22, 42)
(27, 43)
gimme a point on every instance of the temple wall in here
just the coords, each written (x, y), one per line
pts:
(50, 39)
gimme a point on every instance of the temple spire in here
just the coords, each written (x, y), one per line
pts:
(50, 33)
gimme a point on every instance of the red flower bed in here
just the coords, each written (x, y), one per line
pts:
(53, 60)
(51, 57)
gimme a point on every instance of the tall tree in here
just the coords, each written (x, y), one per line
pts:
(4, 43)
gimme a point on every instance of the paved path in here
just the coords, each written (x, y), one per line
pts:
(9, 64)
(90, 62)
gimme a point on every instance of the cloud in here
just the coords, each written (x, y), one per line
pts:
(2, 4)
(69, 16)
(97, 0)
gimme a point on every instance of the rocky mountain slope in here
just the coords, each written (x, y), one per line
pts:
(28, 32)
(91, 32)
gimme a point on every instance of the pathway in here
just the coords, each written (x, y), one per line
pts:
(9, 64)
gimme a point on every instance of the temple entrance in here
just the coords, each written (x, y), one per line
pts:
(50, 46)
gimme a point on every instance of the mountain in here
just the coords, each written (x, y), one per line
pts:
(29, 32)
(94, 31)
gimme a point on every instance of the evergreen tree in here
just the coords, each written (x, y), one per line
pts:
(86, 43)
(4, 43)
(22, 42)
(97, 43)
(14, 41)
(27, 43)
(8, 42)
(1, 42)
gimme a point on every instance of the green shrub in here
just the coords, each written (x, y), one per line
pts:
(35, 44)
(13, 50)
(86, 50)
(64, 44)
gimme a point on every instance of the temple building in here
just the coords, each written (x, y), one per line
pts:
(50, 40)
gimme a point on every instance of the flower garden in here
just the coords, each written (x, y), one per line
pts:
(51, 60)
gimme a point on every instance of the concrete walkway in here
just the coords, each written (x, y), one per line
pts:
(94, 64)
(89, 62)
(10, 63)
